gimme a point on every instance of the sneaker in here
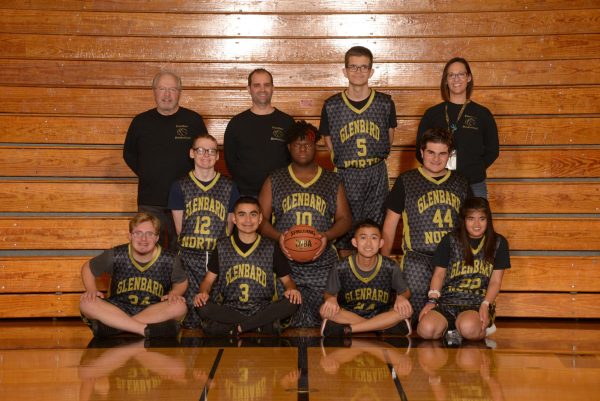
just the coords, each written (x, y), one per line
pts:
(452, 338)
(402, 329)
(101, 330)
(212, 328)
(490, 330)
(333, 329)
(166, 329)
(273, 328)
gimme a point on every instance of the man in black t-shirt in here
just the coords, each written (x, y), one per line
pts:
(243, 267)
(156, 150)
(254, 140)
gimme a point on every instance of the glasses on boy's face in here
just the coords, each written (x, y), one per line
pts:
(459, 75)
(361, 68)
(202, 151)
(142, 234)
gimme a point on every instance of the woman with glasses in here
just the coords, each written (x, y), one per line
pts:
(473, 126)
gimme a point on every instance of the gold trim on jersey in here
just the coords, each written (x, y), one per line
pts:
(305, 184)
(354, 109)
(157, 252)
(213, 182)
(354, 267)
(405, 232)
(431, 179)
(252, 248)
(479, 247)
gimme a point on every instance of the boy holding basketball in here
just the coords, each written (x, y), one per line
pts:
(366, 291)
(244, 265)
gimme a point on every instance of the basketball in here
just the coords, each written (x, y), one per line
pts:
(302, 242)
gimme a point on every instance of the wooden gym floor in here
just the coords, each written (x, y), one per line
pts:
(523, 360)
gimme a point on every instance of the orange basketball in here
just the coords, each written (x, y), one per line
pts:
(302, 242)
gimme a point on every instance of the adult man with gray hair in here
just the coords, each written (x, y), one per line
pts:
(156, 150)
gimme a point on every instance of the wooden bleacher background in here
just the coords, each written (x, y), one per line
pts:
(74, 73)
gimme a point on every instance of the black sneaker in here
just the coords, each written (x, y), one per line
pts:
(212, 328)
(333, 329)
(166, 329)
(401, 329)
(101, 330)
(452, 339)
(273, 328)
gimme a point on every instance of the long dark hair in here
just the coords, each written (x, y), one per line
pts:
(489, 247)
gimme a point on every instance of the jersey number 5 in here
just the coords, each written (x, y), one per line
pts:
(361, 144)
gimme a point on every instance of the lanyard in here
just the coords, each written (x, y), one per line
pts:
(454, 126)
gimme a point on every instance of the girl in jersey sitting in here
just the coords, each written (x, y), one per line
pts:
(469, 265)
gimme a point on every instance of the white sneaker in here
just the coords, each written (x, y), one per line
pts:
(490, 330)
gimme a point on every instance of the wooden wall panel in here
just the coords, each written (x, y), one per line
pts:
(108, 162)
(83, 73)
(26, 196)
(300, 103)
(475, 48)
(320, 6)
(548, 22)
(73, 233)
(111, 131)
(553, 273)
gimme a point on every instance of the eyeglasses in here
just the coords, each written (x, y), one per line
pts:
(459, 75)
(306, 145)
(201, 151)
(147, 234)
(361, 68)
(170, 90)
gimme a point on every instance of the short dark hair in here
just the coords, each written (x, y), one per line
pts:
(256, 71)
(246, 200)
(437, 135)
(302, 129)
(366, 223)
(358, 51)
(444, 84)
(204, 135)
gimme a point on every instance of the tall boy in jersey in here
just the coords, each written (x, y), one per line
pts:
(146, 290)
(358, 128)
(200, 203)
(366, 291)
(304, 193)
(428, 200)
(245, 265)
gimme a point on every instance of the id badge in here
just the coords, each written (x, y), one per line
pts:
(451, 165)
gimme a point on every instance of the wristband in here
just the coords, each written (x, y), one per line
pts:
(485, 302)
(434, 292)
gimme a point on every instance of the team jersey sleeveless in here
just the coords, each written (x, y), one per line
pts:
(313, 203)
(467, 285)
(366, 296)
(132, 283)
(360, 137)
(205, 212)
(246, 280)
(431, 208)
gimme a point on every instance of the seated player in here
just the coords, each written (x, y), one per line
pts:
(463, 298)
(366, 291)
(244, 265)
(146, 290)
